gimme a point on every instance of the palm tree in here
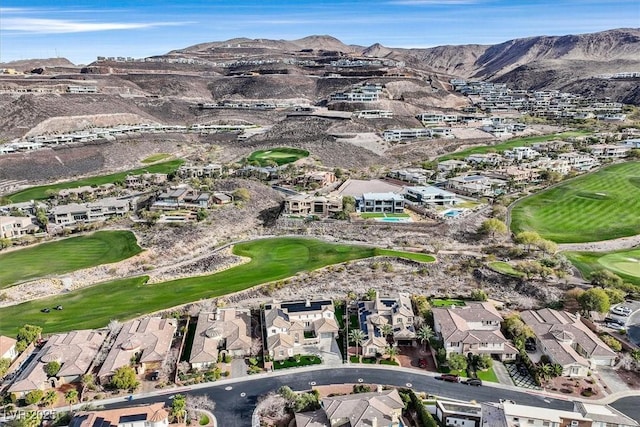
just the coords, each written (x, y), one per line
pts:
(424, 334)
(357, 337)
(556, 370)
(179, 407)
(32, 419)
(392, 351)
(386, 330)
(87, 381)
(49, 398)
(71, 397)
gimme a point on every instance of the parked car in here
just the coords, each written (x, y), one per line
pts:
(449, 378)
(155, 376)
(616, 326)
(473, 381)
(422, 363)
(616, 321)
(530, 345)
(621, 310)
(45, 310)
(58, 307)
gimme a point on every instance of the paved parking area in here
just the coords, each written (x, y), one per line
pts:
(520, 376)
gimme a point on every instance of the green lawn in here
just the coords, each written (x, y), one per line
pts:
(156, 158)
(439, 302)
(599, 206)
(383, 215)
(517, 142)
(40, 193)
(488, 375)
(280, 155)
(625, 264)
(63, 256)
(389, 362)
(415, 256)
(93, 307)
(505, 268)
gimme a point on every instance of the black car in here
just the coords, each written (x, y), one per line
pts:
(58, 307)
(473, 381)
(45, 310)
(530, 345)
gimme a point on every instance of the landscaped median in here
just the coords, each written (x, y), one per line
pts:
(271, 259)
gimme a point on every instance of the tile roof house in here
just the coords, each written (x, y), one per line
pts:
(228, 330)
(148, 339)
(153, 415)
(567, 341)
(382, 408)
(75, 351)
(287, 322)
(7, 348)
(473, 328)
(397, 312)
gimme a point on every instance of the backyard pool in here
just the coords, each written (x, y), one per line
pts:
(393, 219)
(452, 213)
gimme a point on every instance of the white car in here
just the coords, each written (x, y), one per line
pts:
(621, 310)
(616, 326)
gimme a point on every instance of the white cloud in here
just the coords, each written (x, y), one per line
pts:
(59, 26)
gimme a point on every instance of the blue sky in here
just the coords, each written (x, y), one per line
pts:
(81, 30)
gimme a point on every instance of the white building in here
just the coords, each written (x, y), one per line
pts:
(430, 196)
(380, 203)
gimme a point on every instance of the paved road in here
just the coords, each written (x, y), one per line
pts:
(234, 406)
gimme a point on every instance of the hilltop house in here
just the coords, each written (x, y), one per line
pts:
(567, 341)
(306, 204)
(380, 203)
(225, 331)
(472, 329)
(74, 351)
(397, 312)
(146, 340)
(430, 196)
(99, 210)
(295, 323)
(13, 227)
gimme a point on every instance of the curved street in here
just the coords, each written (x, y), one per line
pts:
(236, 400)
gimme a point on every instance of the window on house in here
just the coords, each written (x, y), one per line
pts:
(530, 421)
(545, 424)
(273, 331)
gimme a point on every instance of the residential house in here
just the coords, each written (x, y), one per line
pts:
(472, 329)
(555, 165)
(13, 227)
(609, 151)
(567, 341)
(416, 176)
(603, 415)
(521, 153)
(147, 340)
(404, 134)
(100, 210)
(8, 348)
(476, 185)
(516, 415)
(306, 204)
(221, 198)
(516, 175)
(153, 415)
(459, 414)
(452, 165)
(632, 143)
(200, 171)
(430, 196)
(397, 312)
(382, 409)
(226, 331)
(579, 161)
(380, 203)
(25, 208)
(145, 180)
(182, 197)
(374, 114)
(315, 179)
(74, 351)
(295, 323)
(490, 159)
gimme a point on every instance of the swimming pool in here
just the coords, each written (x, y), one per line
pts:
(452, 213)
(393, 219)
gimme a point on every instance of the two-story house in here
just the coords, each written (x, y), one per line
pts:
(472, 329)
(291, 324)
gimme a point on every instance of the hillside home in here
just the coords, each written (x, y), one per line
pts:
(315, 179)
(182, 197)
(404, 134)
(306, 204)
(452, 165)
(608, 151)
(521, 153)
(100, 210)
(380, 203)
(430, 196)
(568, 342)
(153, 415)
(226, 331)
(476, 185)
(13, 227)
(491, 159)
(397, 312)
(415, 176)
(516, 175)
(374, 114)
(295, 323)
(579, 161)
(147, 340)
(200, 171)
(145, 180)
(555, 165)
(472, 329)
(74, 351)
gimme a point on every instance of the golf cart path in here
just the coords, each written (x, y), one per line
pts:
(604, 245)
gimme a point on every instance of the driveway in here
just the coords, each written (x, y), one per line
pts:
(501, 372)
(327, 349)
(238, 368)
(633, 322)
(610, 377)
